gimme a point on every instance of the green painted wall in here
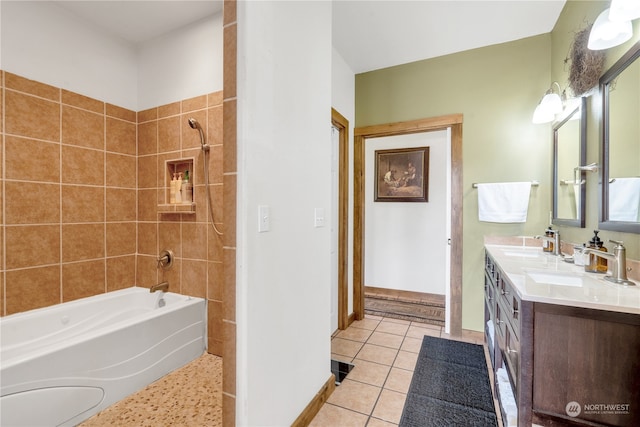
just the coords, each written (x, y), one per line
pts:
(496, 88)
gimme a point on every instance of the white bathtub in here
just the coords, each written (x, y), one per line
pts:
(62, 364)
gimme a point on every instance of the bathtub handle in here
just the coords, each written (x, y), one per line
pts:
(165, 260)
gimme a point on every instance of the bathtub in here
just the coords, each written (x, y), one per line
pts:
(62, 364)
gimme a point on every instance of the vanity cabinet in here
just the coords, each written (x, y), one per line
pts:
(566, 365)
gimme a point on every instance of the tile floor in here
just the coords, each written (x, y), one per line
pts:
(384, 352)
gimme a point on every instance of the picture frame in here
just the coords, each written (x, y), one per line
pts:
(402, 175)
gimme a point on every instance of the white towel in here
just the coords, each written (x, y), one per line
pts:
(577, 190)
(624, 199)
(503, 202)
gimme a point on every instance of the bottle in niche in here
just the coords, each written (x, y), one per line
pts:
(179, 188)
(187, 189)
(172, 189)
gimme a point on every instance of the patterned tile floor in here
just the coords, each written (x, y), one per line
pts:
(384, 352)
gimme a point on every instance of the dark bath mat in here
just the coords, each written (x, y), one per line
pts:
(450, 387)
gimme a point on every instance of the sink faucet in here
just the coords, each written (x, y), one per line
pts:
(619, 263)
(164, 287)
(555, 240)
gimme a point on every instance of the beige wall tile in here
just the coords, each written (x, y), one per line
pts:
(169, 134)
(214, 128)
(32, 160)
(196, 103)
(121, 171)
(82, 166)
(229, 294)
(31, 203)
(215, 98)
(147, 272)
(82, 204)
(121, 238)
(169, 237)
(230, 61)
(147, 115)
(83, 279)
(215, 164)
(148, 205)
(121, 113)
(82, 242)
(84, 102)
(194, 236)
(121, 204)
(214, 245)
(230, 160)
(194, 278)
(82, 128)
(214, 325)
(121, 272)
(215, 281)
(229, 354)
(148, 238)
(148, 138)
(32, 288)
(169, 110)
(32, 87)
(32, 245)
(230, 210)
(31, 117)
(121, 136)
(148, 171)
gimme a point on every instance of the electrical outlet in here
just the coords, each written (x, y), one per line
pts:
(263, 218)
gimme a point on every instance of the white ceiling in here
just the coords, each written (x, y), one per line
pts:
(369, 34)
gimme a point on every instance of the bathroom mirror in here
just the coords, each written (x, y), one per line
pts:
(620, 154)
(569, 152)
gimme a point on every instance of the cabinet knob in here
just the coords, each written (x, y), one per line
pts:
(510, 350)
(503, 292)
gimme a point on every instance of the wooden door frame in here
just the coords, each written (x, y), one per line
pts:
(453, 121)
(342, 124)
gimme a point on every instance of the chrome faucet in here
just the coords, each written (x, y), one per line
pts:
(555, 240)
(164, 287)
(619, 260)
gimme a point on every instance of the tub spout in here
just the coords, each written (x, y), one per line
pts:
(164, 287)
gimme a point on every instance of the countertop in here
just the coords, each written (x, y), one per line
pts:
(541, 277)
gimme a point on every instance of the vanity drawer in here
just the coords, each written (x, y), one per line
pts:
(511, 354)
(511, 305)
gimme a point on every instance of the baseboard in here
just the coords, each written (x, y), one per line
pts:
(400, 295)
(309, 413)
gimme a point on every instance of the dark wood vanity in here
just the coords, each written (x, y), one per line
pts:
(567, 365)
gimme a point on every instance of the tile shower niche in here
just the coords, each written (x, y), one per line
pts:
(178, 167)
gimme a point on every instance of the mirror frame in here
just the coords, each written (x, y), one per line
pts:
(582, 159)
(604, 223)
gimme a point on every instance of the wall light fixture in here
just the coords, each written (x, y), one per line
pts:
(548, 107)
(624, 10)
(606, 33)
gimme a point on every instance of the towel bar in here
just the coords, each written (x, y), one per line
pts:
(533, 184)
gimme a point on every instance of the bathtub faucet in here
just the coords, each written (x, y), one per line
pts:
(164, 287)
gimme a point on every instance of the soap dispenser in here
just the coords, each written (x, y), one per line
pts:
(595, 263)
(547, 246)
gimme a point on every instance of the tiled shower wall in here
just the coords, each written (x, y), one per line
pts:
(79, 198)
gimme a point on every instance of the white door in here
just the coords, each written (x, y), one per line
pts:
(335, 143)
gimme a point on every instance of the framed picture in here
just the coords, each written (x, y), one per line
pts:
(402, 175)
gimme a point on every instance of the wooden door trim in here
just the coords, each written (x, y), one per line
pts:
(342, 124)
(453, 121)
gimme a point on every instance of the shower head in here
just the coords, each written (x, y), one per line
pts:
(195, 125)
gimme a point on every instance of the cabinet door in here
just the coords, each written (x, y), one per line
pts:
(586, 366)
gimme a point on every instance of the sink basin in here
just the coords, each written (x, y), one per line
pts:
(525, 253)
(555, 278)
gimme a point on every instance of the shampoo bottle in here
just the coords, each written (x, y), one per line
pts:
(596, 264)
(179, 188)
(172, 189)
(546, 245)
(187, 189)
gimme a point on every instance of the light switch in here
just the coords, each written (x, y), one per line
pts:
(319, 217)
(263, 218)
